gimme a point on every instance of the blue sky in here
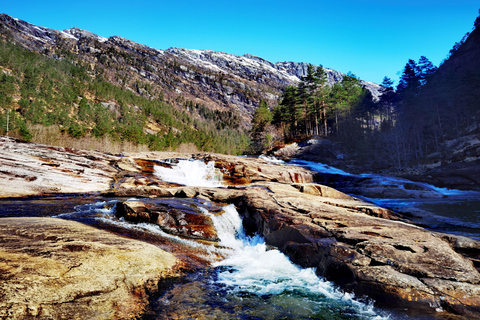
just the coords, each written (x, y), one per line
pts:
(370, 38)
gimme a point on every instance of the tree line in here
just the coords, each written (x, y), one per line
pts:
(316, 108)
(402, 126)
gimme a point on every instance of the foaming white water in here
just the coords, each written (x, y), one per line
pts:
(191, 173)
(253, 268)
(247, 266)
(270, 159)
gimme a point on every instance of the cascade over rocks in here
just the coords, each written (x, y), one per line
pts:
(363, 248)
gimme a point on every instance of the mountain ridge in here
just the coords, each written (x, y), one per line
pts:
(220, 81)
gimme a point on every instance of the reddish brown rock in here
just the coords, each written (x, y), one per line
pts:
(188, 222)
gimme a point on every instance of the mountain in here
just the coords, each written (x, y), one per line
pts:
(182, 77)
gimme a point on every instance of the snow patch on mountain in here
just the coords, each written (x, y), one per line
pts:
(232, 64)
(77, 33)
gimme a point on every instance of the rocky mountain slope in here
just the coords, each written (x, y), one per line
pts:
(183, 77)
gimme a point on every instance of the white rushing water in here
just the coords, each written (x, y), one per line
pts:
(255, 269)
(246, 268)
(191, 173)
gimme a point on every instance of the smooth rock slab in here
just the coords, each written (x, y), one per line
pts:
(59, 269)
(33, 169)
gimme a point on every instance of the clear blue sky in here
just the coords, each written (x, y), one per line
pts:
(370, 38)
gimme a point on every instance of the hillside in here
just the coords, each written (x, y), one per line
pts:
(451, 114)
(183, 77)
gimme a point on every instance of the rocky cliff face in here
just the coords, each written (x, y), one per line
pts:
(219, 81)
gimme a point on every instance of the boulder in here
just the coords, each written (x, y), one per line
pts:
(187, 222)
(58, 269)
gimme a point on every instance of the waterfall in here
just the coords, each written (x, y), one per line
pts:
(191, 173)
(254, 269)
(259, 280)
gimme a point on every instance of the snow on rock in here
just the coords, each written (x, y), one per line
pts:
(287, 73)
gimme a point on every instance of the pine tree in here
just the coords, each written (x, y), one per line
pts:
(321, 99)
(410, 79)
(425, 69)
(260, 122)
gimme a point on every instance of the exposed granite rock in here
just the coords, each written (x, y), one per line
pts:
(58, 269)
(397, 264)
(363, 248)
(33, 169)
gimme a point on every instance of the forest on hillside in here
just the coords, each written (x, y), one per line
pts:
(428, 107)
(38, 93)
(61, 97)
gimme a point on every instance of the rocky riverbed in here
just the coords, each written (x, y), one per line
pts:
(363, 248)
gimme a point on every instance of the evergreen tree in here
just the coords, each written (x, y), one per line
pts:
(321, 100)
(387, 103)
(260, 122)
(425, 69)
(410, 79)
(262, 117)
(291, 109)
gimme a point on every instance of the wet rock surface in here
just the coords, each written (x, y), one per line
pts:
(395, 263)
(182, 222)
(363, 248)
(58, 269)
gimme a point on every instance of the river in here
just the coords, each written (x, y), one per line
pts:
(241, 277)
(438, 209)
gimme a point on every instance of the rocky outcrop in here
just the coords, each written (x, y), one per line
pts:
(397, 264)
(363, 248)
(32, 169)
(59, 269)
(457, 169)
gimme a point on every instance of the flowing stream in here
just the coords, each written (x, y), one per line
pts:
(440, 209)
(239, 277)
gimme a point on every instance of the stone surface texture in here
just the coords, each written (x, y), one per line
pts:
(58, 269)
(363, 248)
(32, 169)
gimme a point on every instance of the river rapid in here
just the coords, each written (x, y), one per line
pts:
(240, 277)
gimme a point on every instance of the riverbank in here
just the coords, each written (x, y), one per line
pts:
(362, 247)
(458, 168)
